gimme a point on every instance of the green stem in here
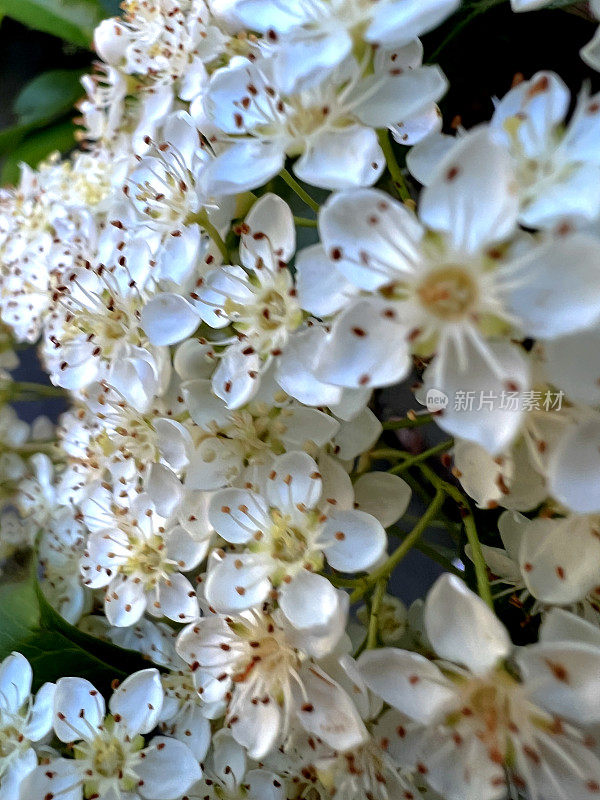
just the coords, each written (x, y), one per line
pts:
(417, 422)
(392, 165)
(304, 222)
(343, 583)
(19, 390)
(384, 571)
(295, 187)
(376, 602)
(418, 459)
(387, 453)
(483, 584)
(203, 220)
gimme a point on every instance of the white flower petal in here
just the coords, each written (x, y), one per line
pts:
(305, 60)
(138, 701)
(168, 770)
(572, 364)
(407, 681)
(257, 727)
(271, 217)
(236, 582)
(244, 166)
(216, 462)
(342, 159)
(322, 290)
(306, 425)
(424, 158)
(353, 540)
(236, 379)
(384, 496)
(357, 436)
(165, 489)
(562, 626)
(484, 369)
(264, 785)
(325, 710)
(308, 601)
(177, 599)
(567, 674)
(78, 709)
(64, 780)
(355, 230)
(16, 771)
(184, 548)
(560, 559)
(295, 480)
(206, 409)
(395, 24)
(399, 96)
(295, 372)
(40, 721)
(476, 167)
(574, 465)
(168, 318)
(367, 346)
(15, 682)
(238, 514)
(129, 604)
(552, 301)
(462, 628)
(193, 729)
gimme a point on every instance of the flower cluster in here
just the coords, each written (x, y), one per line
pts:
(216, 496)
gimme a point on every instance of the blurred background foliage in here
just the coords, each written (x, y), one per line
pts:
(45, 48)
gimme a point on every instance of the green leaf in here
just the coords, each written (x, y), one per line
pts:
(45, 99)
(54, 648)
(71, 20)
(36, 146)
(11, 137)
(48, 96)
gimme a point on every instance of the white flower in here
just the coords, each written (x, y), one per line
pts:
(139, 564)
(574, 466)
(263, 669)
(123, 439)
(60, 548)
(24, 721)
(284, 533)
(226, 775)
(165, 40)
(554, 162)
(439, 285)
(486, 728)
(94, 331)
(331, 126)
(251, 435)
(111, 757)
(259, 303)
(310, 39)
(554, 561)
(516, 477)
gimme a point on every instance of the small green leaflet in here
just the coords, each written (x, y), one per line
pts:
(54, 648)
(71, 20)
